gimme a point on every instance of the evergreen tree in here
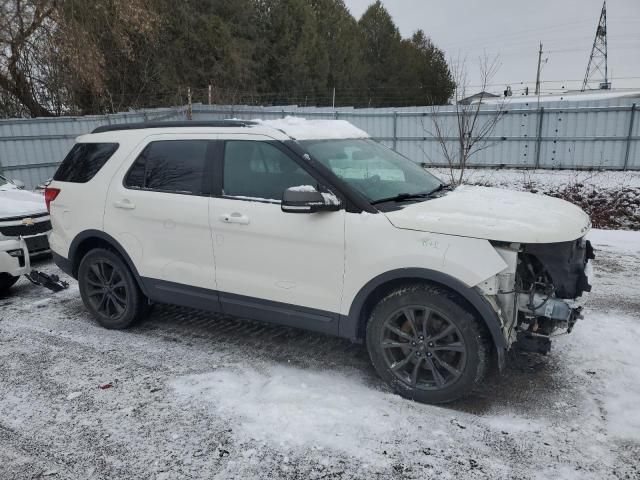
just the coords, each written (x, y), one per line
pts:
(382, 54)
(206, 43)
(96, 56)
(344, 43)
(432, 72)
(292, 60)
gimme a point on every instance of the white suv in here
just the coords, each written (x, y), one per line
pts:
(313, 224)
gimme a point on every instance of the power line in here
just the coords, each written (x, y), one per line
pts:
(520, 33)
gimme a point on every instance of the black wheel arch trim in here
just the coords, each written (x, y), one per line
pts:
(63, 264)
(88, 234)
(351, 325)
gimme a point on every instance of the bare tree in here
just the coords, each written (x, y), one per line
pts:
(22, 25)
(52, 52)
(470, 129)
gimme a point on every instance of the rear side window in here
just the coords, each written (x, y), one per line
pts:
(176, 166)
(84, 161)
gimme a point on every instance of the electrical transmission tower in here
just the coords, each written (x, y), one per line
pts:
(597, 66)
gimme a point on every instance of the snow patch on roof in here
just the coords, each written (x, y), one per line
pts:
(303, 129)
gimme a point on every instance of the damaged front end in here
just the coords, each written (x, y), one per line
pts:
(542, 290)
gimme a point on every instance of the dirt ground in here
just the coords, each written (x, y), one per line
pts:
(195, 395)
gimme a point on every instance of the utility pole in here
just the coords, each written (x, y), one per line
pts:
(209, 94)
(539, 66)
(334, 97)
(598, 59)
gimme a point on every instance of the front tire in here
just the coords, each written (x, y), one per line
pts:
(109, 290)
(427, 346)
(7, 281)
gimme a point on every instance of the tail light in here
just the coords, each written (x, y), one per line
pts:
(50, 194)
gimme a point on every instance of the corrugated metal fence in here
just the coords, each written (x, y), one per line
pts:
(31, 149)
(576, 135)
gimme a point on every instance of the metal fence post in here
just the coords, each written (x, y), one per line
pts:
(539, 138)
(628, 149)
(190, 105)
(395, 130)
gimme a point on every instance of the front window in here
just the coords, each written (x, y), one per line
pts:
(374, 170)
(257, 170)
(4, 182)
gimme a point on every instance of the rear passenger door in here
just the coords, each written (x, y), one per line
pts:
(158, 209)
(275, 266)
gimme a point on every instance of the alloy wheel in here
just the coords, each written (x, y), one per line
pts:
(106, 289)
(423, 348)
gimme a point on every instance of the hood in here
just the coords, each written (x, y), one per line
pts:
(495, 214)
(17, 203)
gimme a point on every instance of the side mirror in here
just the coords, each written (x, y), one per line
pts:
(306, 199)
(18, 183)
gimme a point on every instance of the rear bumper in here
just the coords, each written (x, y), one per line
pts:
(63, 264)
(14, 257)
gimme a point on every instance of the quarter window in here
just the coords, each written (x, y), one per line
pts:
(177, 166)
(259, 170)
(84, 161)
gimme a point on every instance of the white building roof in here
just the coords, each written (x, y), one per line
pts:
(571, 96)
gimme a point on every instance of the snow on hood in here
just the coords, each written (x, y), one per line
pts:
(303, 129)
(15, 202)
(495, 214)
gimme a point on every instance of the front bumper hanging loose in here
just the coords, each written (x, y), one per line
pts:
(52, 282)
(15, 260)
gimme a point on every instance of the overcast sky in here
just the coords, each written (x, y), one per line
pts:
(514, 28)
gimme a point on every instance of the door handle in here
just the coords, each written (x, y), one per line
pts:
(234, 217)
(125, 204)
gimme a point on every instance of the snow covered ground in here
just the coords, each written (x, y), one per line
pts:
(611, 198)
(522, 179)
(196, 395)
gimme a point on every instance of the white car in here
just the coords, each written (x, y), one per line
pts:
(24, 231)
(313, 224)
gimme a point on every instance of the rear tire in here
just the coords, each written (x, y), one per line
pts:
(427, 346)
(7, 281)
(109, 290)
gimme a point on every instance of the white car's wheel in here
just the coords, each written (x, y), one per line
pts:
(7, 281)
(426, 345)
(109, 290)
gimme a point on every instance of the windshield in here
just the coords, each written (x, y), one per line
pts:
(4, 181)
(371, 168)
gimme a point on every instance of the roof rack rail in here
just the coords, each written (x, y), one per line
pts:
(173, 124)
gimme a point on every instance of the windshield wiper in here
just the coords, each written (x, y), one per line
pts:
(439, 188)
(401, 197)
